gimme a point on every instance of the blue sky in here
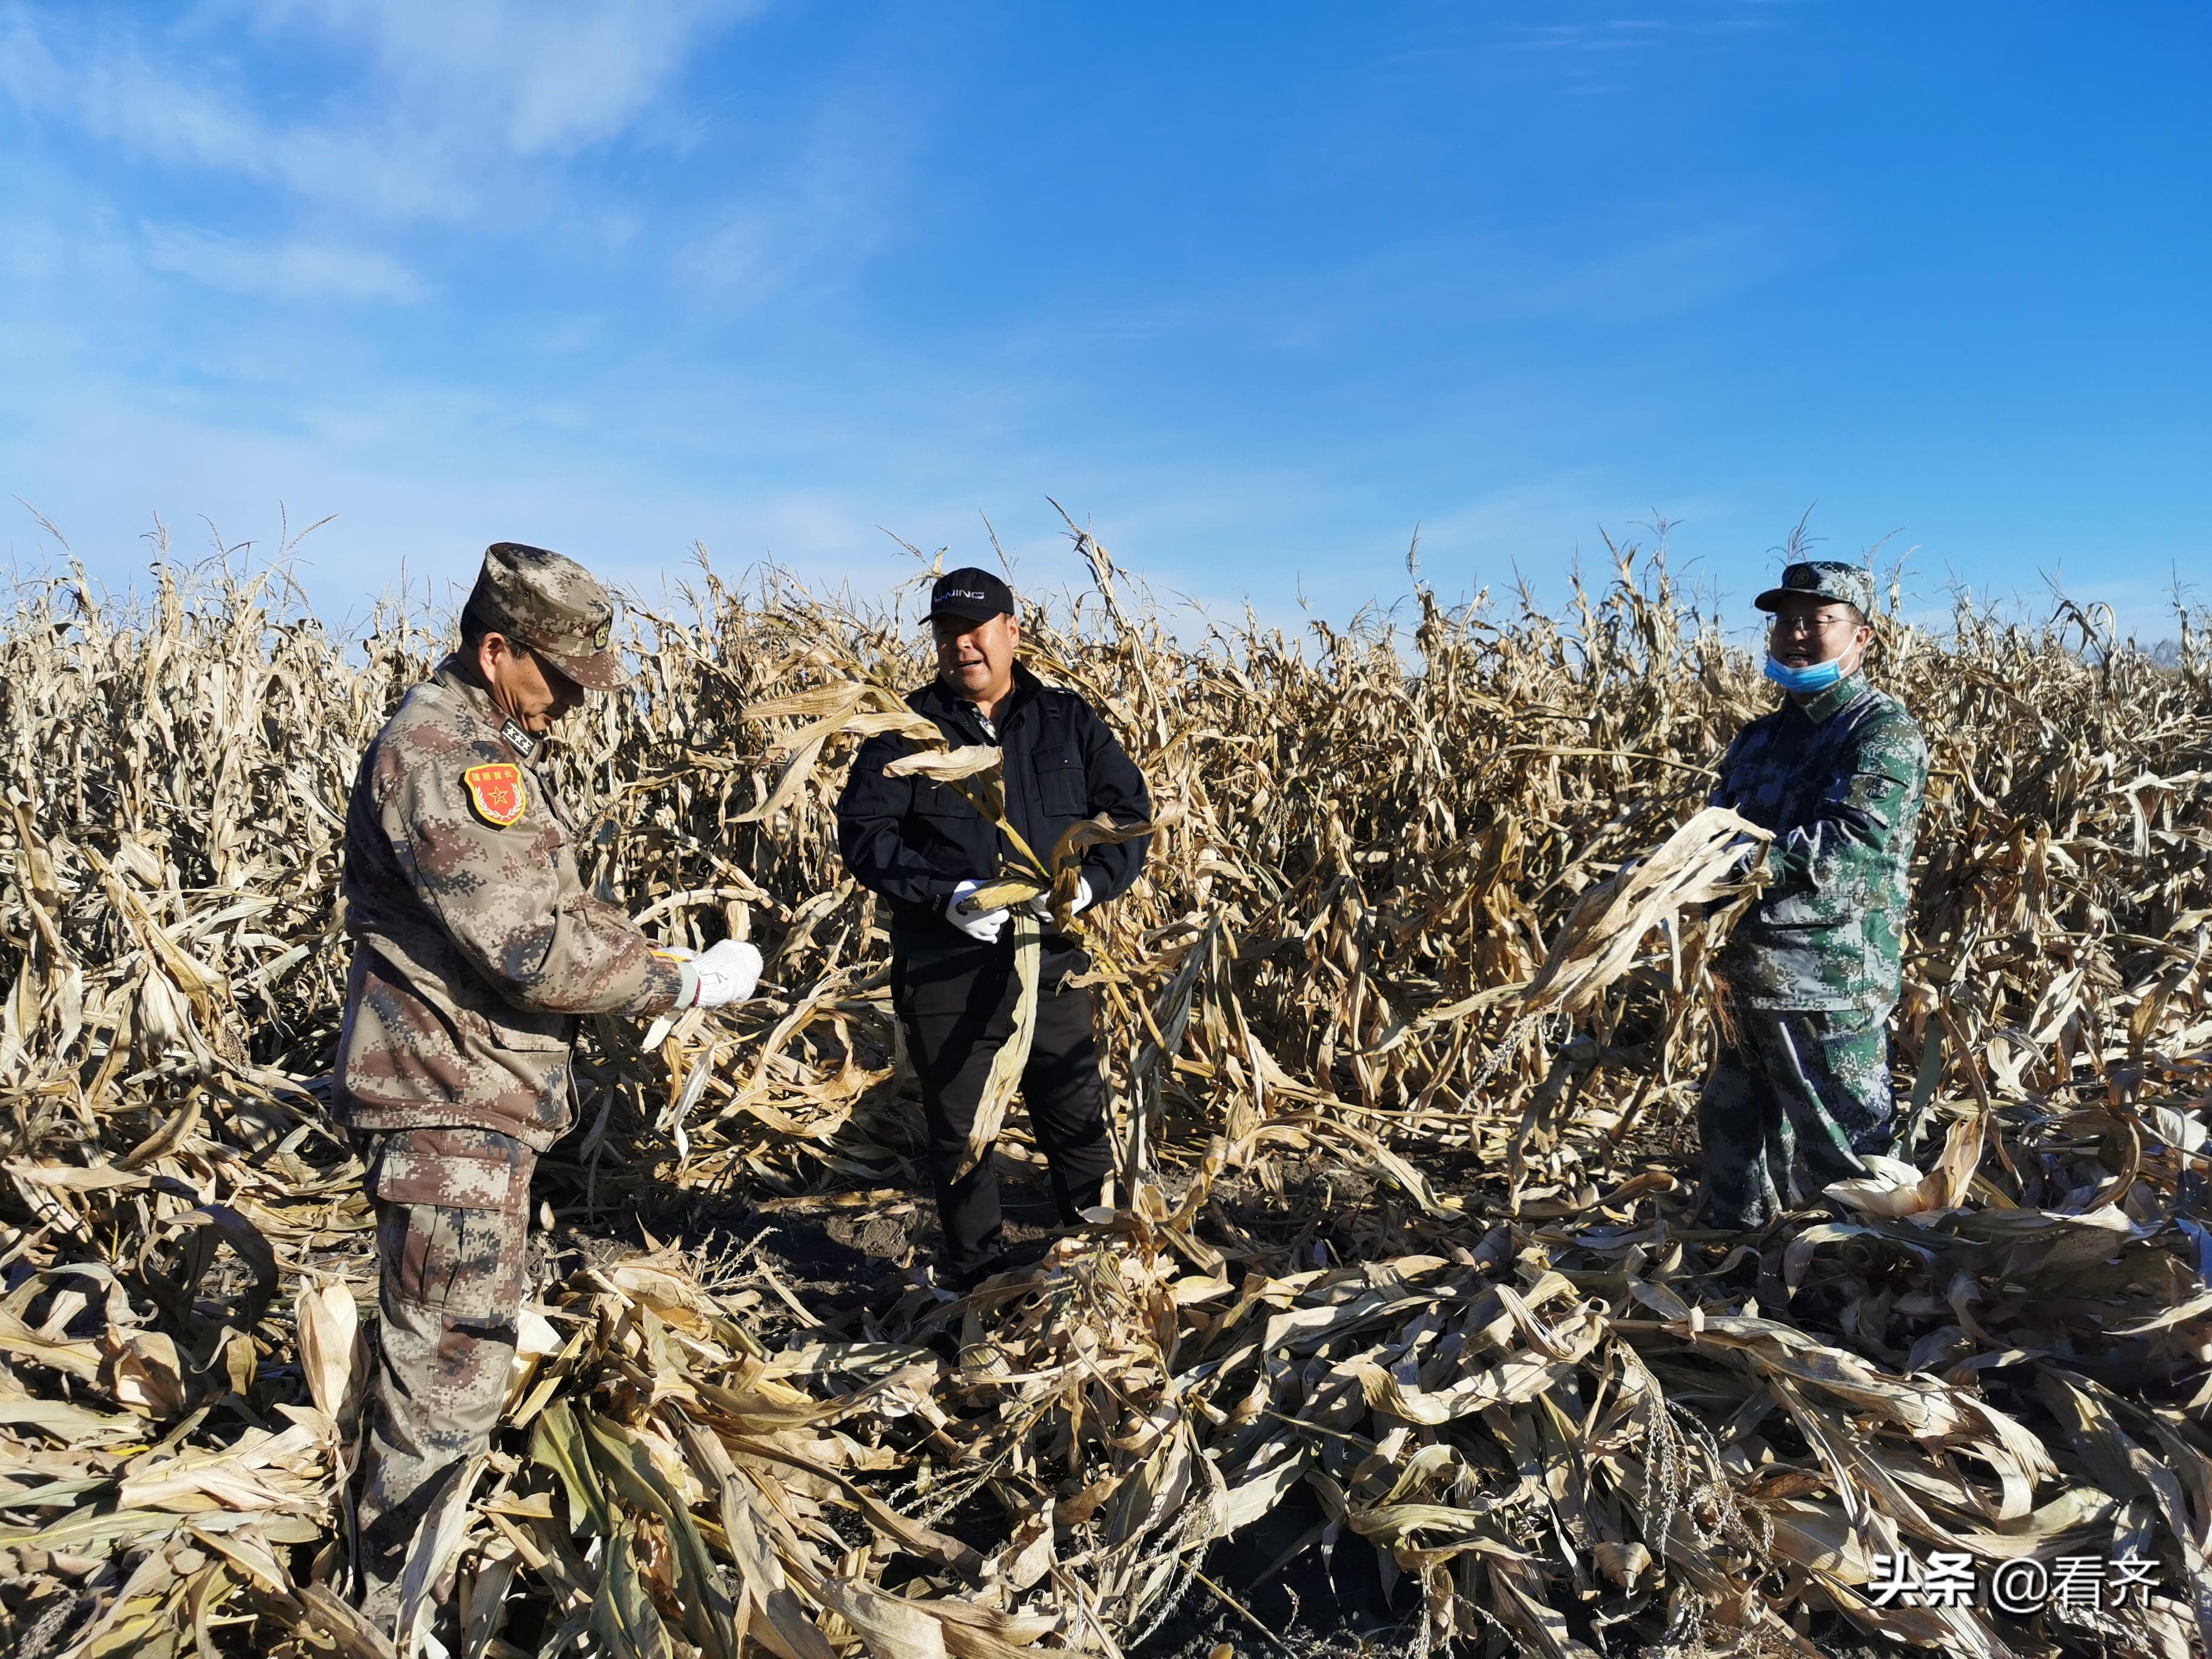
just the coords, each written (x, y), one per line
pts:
(1255, 289)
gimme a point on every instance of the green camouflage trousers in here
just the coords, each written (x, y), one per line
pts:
(1793, 1105)
(452, 1228)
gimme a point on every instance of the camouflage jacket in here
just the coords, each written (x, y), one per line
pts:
(476, 942)
(1838, 777)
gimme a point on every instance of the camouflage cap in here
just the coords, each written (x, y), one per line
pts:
(1823, 579)
(553, 605)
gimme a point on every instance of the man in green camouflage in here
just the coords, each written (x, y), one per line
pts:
(476, 947)
(1801, 1089)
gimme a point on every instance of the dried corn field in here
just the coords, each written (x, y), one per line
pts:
(1398, 1337)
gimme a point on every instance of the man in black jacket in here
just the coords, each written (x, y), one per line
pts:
(924, 848)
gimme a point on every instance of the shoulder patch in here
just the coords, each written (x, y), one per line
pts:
(496, 792)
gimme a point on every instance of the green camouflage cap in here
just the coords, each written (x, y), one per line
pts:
(553, 605)
(1824, 579)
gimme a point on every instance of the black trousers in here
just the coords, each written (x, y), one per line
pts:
(958, 1012)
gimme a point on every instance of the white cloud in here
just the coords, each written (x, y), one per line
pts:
(763, 247)
(325, 149)
(176, 113)
(1620, 265)
(439, 108)
(823, 209)
(30, 78)
(1710, 255)
(1617, 34)
(282, 270)
(155, 113)
(539, 76)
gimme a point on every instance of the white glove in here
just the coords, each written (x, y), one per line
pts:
(983, 926)
(727, 973)
(1041, 905)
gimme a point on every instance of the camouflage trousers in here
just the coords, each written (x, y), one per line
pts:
(1792, 1105)
(452, 1228)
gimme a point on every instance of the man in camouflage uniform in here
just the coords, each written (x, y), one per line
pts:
(1802, 1090)
(475, 947)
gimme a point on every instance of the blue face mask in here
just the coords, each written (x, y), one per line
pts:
(1804, 681)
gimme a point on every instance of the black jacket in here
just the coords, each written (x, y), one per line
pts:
(913, 840)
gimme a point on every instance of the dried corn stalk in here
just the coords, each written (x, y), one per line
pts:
(1494, 1358)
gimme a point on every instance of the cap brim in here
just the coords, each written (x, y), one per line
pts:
(600, 672)
(1771, 599)
(967, 612)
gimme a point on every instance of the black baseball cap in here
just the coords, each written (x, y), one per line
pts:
(973, 594)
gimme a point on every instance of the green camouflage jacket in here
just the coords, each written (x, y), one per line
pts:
(476, 942)
(1838, 777)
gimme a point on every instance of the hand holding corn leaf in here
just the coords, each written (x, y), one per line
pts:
(1716, 857)
(863, 710)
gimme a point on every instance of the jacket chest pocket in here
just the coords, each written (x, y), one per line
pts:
(941, 802)
(1063, 789)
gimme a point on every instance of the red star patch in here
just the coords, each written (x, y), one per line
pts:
(496, 792)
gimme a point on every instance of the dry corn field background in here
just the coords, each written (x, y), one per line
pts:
(1398, 1338)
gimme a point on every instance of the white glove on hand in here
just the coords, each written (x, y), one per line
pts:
(983, 926)
(1041, 905)
(727, 972)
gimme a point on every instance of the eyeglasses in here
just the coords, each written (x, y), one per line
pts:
(1787, 626)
